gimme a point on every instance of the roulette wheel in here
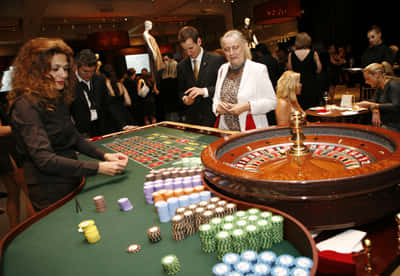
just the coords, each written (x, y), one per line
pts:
(327, 175)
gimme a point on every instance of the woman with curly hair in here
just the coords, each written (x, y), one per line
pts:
(42, 89)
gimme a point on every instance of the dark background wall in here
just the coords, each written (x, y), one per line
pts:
(347, 21)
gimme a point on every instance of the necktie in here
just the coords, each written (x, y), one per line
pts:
(89, 94)
(195, 69)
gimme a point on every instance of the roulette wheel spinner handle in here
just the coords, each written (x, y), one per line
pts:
(297, 122)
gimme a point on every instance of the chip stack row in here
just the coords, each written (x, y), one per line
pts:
(100, 203)
(170, 264)
(154, 234)
(198, 214)
(173, 172)
(265, 263)
(248, 230)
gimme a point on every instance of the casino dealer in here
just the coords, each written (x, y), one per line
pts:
(45, 135)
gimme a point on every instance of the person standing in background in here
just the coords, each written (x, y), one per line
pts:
(244, 92)
(305, 61)
(197, 75)
(89, 107)
(170, 106)
(377, 51)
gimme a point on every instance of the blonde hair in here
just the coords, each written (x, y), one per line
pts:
(238, 35)
(287, 85)
(384, 68)
(303, 41)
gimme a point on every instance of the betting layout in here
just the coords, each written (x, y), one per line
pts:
(156, 149)
(350, 157)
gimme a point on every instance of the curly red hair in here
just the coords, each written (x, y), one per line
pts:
(31, 73)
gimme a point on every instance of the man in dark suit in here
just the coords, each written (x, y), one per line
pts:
(88, 107)
(197, 75)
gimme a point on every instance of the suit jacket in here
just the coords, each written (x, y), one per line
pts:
(80, 110)
(200, 111)
(255, 88)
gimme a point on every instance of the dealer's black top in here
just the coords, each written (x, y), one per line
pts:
(389, 104)
(49, 143)
(377, 54)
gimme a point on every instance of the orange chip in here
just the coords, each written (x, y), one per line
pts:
(199, 188)
(178, 192)
(188, 191)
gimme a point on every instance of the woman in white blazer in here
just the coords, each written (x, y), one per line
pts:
(243, 92)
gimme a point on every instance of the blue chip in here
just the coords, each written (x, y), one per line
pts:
(234, 273)
(303, 262)
(243, 267)
(249, 256)
(231, 259)
(285, 260)
(279, 271)
(298, 271)
(267, 257)
(220, 269)
(261, 269)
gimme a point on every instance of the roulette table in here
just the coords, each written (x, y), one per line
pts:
(49, 242)
(350, 178)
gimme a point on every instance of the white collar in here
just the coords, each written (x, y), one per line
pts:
(199, 57)
(80, 79)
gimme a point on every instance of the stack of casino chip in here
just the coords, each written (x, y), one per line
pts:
(189, 222)
(163, 211)
(252, 237)
(265, 227)
(90, 231)
(125, 204)
(277, 228)
(100, 203)
(219, 211)
(207, 238)
(206, 216)
(230, 208)
(170, 264)
(178, 227)
(223, 244)
(239, 241)
(217, 223)
(197, 217)
(154, 234)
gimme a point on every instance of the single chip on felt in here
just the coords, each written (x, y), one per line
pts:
(133, 248)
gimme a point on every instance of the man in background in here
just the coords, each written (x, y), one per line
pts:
(197, 75)
(377, 50)
(88, 109)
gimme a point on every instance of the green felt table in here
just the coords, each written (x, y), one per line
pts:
(53, 245)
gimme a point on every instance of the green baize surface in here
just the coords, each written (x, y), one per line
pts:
(53, 246)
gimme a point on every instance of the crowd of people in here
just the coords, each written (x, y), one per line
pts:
(57, 100)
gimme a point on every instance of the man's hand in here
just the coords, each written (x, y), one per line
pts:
(187, 100)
